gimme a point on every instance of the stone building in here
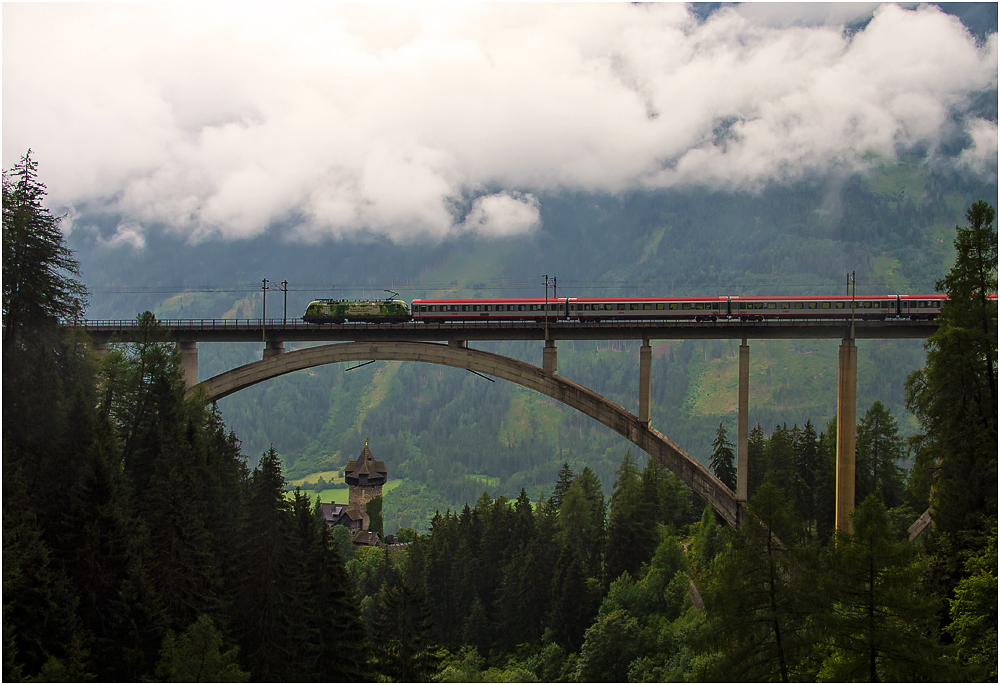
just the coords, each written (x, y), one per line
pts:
(365, 477)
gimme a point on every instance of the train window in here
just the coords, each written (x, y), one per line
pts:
(659, 305)
(434, 308)
(621, 306)
(647, 306)
(554, 307)
(686, 306)
(634, 306)
(487, 308)
(465, 307)
(838, 305)
(812, 305)
(521, 308)
(673, 306)
(786, 305)
(798, 305)
(477, 307)
(825, 305)
(423, 307)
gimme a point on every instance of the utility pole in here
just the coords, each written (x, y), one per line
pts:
(546, 308)
(284, 313)
(554, 296)
(854, 290)
(263, 315)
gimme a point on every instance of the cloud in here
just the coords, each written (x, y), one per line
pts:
(223, 120)
(503, 214)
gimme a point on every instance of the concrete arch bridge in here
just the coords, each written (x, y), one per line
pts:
(634, 428)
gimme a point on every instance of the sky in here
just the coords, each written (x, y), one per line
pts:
(223, 121)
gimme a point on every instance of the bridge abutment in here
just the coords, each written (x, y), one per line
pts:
(189, 363)
(847, 399)
(743, 425)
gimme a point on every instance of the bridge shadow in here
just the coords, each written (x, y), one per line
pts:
(623, 422)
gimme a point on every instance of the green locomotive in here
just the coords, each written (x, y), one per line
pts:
(341, 311)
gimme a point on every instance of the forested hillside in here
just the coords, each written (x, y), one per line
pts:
(448, 433)
(165, 557)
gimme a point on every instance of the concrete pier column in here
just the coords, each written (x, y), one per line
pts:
(743, 425)
(549, 358)
(189, 363)
(458, 343)
(645, 371)
(847, 399)
(274, 348)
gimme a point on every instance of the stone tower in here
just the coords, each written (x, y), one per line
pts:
(365, 478)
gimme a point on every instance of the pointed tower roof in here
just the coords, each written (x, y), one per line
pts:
(366, 470)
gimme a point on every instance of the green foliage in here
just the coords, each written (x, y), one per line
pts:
(374, 510)
(878, 625)
(879, 448)
(973, 612)
(955, 396)
(755, 597)
(723, 461)
(404, 651)
(196, 656)
(40, 276)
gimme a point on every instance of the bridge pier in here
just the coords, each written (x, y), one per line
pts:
(645, 371)
(743, 425)
(100, 349)
(189, 363)
(274, 348)
(549, 358)
(462, 344)
(847, 399)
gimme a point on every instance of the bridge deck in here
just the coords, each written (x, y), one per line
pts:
(250, 330)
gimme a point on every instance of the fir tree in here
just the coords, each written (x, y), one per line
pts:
(723, 463)
(879, 447)
(404, 650)
(40, 276)
(955, 395)
(880, 619)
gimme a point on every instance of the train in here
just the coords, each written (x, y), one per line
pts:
(699, 309)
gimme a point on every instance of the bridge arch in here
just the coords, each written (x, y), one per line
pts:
(623, 422)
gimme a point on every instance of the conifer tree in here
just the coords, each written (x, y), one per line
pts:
(405, 652)
(40, 276)
(632, 535)
(879, 447)
(756, 466)
(563, 482)
(723, 463)
(955, 395)
(879, 621)
(754, 598)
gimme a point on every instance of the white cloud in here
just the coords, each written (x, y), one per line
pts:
(335, 119)
(503, 214)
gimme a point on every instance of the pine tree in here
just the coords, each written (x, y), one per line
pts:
(40, 276)
(563, 482)
(955, 395)
(808, 464)
(404, 650)
(756, 465)
(723, 463)
(879, 447)
(879, 620)
(755, 598)
(632, 535)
